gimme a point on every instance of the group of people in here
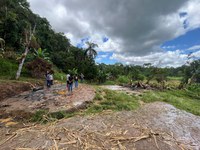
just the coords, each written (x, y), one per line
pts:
(73, 79)
(70, 80)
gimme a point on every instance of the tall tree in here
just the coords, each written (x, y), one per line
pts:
(28, 42)
(90, 51)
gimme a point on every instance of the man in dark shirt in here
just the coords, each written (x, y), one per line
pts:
(70, 86)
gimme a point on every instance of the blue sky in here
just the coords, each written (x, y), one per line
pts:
(102, 57)
(183, 42)
(131, 31)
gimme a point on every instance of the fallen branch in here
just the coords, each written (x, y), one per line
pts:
(11, 137)
(130, 138)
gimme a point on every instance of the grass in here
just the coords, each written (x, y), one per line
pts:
(188, 100)
(112, 100)
(109, 82)
(8, 68)
(60, 76)
(43, 116)
(175, 78)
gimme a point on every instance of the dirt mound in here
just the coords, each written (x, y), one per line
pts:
(9, 89)
(149, 128)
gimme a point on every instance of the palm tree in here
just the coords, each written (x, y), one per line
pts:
(90, 51)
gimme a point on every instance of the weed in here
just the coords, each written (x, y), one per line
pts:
(112, 100)
(39, 116)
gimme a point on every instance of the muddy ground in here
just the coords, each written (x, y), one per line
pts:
(54, 99)
(9, 89)
(153, 126)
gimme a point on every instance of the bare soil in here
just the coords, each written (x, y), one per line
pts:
(154, 126)
(9, 89)
(53, 99)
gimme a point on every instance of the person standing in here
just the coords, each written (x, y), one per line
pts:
(51, 78)
(82, 77)
(76, 81)
(48, 82)
(68, 75)
(70, 86)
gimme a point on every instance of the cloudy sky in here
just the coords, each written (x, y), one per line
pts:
(161, 32)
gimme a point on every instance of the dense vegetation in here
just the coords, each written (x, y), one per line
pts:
(16, 22)
(21, 29)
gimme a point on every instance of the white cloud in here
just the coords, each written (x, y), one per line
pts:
(100, 57)
(195, 47)
(104, 56)
(160, 59)
(169, 47)
(193, 13)
(196, 54)
(135, 28)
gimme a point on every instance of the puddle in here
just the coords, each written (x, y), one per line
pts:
(137, 92)
(117, 88)
(78, 103)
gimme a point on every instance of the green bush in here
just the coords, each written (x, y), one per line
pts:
(60, 76)
(194, 87)
(123, 79)
(8, 68)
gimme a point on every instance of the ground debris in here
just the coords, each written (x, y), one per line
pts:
(154, 126)
(91, 132)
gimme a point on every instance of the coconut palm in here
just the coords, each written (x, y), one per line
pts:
(90, 51)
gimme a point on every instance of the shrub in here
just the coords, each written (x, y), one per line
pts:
(8, 68)
(123, 79)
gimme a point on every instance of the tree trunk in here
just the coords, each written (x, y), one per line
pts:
(25, 54)
(21, 63)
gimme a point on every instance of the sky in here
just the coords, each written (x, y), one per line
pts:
(132, 32)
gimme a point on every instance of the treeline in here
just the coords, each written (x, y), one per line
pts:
(16, 20)
(188, 73)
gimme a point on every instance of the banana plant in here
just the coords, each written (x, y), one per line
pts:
(41, 54)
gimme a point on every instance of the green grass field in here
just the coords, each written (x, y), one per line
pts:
(188, 100)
